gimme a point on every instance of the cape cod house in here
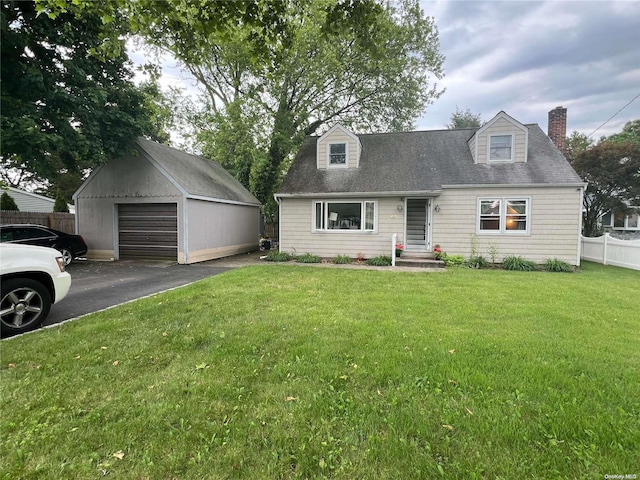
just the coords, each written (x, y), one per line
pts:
(505, 186)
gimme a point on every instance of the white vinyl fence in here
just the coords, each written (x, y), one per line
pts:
(611, 251)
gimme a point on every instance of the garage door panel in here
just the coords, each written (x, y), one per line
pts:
(146, 252)
(148, 209)
(148, 224)
(148, 230)
(149, 238)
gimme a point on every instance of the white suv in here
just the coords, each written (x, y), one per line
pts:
(33, 278)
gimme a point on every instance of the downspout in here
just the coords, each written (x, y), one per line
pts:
(185, 223)
(277, 199)
(580, 227)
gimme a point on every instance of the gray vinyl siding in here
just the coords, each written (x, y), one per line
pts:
(129, 177)
(125, 180)
(30, 202)
(296, 235)
(553, 223)
(217, 229)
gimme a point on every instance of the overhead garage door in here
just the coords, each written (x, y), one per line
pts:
(148, 230)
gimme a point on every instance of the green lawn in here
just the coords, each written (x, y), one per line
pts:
(285, 371)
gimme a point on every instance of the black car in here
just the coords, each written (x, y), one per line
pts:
(70, 246)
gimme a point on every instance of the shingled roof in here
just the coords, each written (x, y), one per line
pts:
(425, 162)
(196, 175)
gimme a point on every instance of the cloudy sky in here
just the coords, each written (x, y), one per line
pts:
(526, 58)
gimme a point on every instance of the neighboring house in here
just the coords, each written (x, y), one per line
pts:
(504, 185)
(30, 202)
(621, 221)
(165, 203)
(621, 225)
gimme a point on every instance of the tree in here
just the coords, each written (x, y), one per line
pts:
(319, 74)
(612, 170)
(576, 143)
(298, 66)
(60, 204)
(7, 203)
(65, 109)
(630, 133)
(464, 119)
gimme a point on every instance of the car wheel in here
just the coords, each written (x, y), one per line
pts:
(25, 305)
(67, 256)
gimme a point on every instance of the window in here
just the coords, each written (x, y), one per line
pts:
(344, 216)
(500, 148)
(338, 154)
(490, 214)
(503, 215)
(620, 221)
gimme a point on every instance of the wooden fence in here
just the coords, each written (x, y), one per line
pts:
(611, 251)
(65, 222)
(271, 229)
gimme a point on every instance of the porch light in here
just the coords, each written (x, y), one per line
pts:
(399, 208)
(437, 209)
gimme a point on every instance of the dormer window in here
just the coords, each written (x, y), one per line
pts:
(500, 148)
(338, 154)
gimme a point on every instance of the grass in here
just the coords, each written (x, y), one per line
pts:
(284, 372)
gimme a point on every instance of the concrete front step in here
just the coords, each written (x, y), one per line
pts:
(408, 254)
(419, 262)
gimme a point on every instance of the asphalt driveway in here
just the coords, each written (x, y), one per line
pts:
(99, 285)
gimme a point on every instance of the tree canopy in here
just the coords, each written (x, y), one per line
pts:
(273, 71)
(370, 69)
(464, 119)
(612, 169)
(64, 108)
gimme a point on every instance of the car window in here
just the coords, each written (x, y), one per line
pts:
(6, 235)
(30, 232)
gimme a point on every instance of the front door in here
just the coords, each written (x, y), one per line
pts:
(417, 238)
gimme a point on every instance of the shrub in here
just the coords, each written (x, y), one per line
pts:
(477, 261)
(276, 256)
(60, 204)
(342, 260)
(308, 258)
(380, 261)
(452, 260)
(556, 265)
(493, 253)
(8, 203)
(518, 264)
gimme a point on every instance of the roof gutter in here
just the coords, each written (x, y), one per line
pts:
(221, 200)
(516, 185)
(412, 193)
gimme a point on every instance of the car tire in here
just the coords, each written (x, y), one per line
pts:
(25, 305)
(67, 256)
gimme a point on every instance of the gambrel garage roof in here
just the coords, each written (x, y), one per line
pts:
(426, 161)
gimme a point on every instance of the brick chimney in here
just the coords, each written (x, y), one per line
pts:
(558, 128)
